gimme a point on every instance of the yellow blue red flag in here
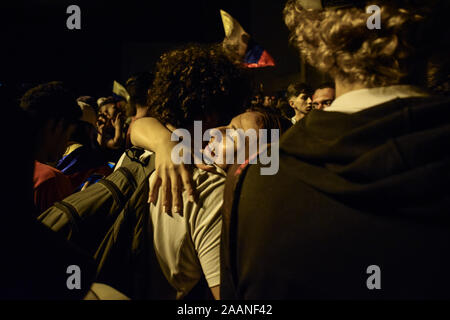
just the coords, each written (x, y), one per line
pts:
(239, 44)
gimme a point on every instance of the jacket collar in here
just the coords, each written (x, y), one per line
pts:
(361, 99)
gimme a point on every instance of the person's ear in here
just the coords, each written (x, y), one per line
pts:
(291, 102)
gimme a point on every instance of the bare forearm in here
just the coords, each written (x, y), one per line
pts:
(100, 140)
(149, 133)
(113, 143)
(117, 141)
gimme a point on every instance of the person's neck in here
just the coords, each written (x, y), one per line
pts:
(343, 87)
(141, 111)
(41, 153)
(299, 115)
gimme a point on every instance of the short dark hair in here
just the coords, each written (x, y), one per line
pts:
(286, 110)
(108, 100)
(196, 81)
(137, 87)
(88, 100)
(48, 101)
(324, 85)
(297, 88)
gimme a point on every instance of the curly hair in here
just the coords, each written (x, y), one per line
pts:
(195, 82)
(338, 42)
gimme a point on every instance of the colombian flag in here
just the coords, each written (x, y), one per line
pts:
(242, 45)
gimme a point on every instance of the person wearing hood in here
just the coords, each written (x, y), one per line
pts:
(359, 207)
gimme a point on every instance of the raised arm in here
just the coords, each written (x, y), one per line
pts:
(152, 135)
(118, 140)
(112, 143)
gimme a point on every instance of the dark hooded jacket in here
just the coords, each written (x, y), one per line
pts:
(352, 191)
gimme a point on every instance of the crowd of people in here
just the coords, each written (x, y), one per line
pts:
(362, 180)
(297, 100)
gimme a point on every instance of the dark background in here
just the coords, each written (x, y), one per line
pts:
(119, 38)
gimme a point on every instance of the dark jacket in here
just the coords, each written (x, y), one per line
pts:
(35, 262)
(352, 190)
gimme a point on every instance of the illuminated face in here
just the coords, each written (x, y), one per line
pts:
(267, 101)
(323, 98)
(109, 110)
(244, 121)
(301, 103)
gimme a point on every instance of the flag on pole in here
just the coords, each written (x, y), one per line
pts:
(257, 57)
(241, 46)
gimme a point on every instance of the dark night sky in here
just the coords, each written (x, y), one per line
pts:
(119, 38)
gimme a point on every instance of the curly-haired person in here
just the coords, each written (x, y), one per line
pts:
(197, 83)
(359, 207)
(194, 83)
